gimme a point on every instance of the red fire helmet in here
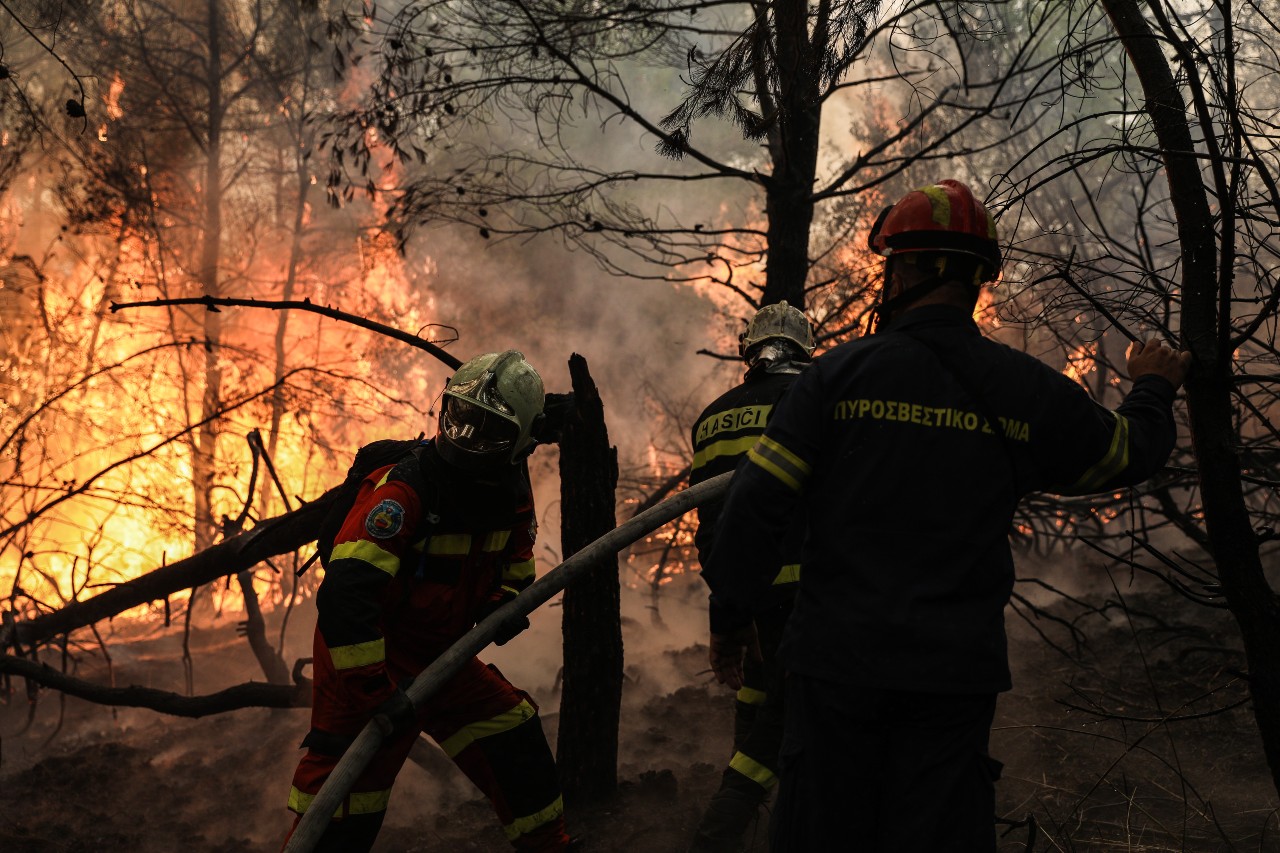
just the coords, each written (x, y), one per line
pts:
(944, 217)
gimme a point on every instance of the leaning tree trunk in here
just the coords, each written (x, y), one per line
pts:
(254, 628)
(591, 701)
(270, 538)
(1233, 543)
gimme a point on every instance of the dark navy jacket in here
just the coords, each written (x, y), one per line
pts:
(727, 428)
(884, 446)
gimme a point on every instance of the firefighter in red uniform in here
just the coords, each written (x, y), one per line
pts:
(776, 346)
(906, 452)
(432, 545)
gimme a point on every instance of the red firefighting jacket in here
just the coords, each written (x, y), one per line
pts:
(425, 552)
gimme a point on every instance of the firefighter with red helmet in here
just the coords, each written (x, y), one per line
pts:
(776, 346)
(432, 545)
(906, 452)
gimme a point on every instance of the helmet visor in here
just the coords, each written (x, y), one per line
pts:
(475, 429)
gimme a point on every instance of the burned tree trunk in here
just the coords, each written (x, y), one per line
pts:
(1207, 333)
(793, 147)
(254, 629)
(591, 701)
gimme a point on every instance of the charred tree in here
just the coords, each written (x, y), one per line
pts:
(590, 704)
(254, 629)
(205, 441)
(1207, 332)
(254, 626)
(793, 147)
(766, 69)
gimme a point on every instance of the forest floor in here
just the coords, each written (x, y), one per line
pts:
(79, 777)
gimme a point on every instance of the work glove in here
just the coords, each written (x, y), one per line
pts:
(728, 650)
(510, 628)
(395, 716)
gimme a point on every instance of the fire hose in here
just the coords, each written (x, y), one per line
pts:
(357, 757)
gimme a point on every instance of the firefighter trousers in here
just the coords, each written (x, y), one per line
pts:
(489, 729)
(757, 738)
(889, 771)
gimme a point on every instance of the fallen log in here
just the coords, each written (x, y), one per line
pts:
(252, 694)
(312, 825)
(280, 535)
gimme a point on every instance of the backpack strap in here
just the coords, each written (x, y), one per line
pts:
(419, 470)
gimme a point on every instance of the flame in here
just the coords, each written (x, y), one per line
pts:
(108, 443)
(984, 311)
(114, 91)
(1081, 362)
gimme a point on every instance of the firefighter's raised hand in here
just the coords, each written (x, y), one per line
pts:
(1153, 357)
(728, 651)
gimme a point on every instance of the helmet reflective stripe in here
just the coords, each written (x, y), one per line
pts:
(944, 217)
(941, 203)
(778, 321)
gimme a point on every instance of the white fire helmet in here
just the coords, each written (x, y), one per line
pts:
(490, 408)
(774, 322)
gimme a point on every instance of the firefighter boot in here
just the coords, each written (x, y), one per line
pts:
(729, 815)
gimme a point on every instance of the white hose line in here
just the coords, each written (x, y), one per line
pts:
(357, 757)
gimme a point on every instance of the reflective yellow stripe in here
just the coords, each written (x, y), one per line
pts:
(751, 696)
(725, 447)
(384, 479)
(359, 654)
(753, 770)
(450, 544)
(1116, 460)
(368, 802)
(523, 570)
(504, 722)
(496, 541)
(367, 552)
(780, 462)
(359, 802)
(789, 574)
(524, 825)
(941, 204)
(509, 589)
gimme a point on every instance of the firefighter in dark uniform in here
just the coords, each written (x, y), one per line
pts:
(776, 347)
(432, 545)
(907, 452)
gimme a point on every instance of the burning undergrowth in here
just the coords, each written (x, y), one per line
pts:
(1116, 744)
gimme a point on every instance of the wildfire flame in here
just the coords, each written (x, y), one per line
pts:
(1081, 362)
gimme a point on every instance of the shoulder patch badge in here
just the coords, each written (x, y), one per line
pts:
(384, 520)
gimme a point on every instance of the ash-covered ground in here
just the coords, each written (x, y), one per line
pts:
(79, 777)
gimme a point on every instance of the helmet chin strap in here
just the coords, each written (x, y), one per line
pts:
(787, 365)
(883, 313)
(778, 356)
